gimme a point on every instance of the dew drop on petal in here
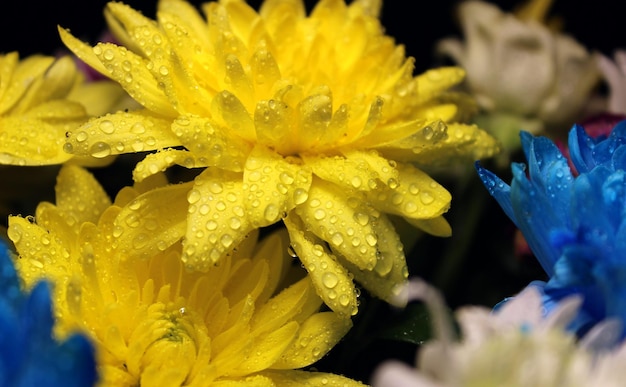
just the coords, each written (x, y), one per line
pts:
(300, 196)
(337, 239)
(193, 196)
(319, 214)
(100, 150)
(271, 212)
(226, 240)
(107, 127)
(426, 198)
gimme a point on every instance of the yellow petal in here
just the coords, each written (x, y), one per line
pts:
(233, 115)
(433, 83)
(101, 97)
(216, 146)
(22, 75)
(298, 299)
(360, 170)
(438, 226)
(216, 221)
(279, 263)
(132, 73)
(55, 83)
(415, 195)
(296, 378)
(274, 120)
(30, 141)
(272, 186)
(390, 272)
(266, 349)
(463, 142)
(79, 196)
(118, 133)
(82, 50)
(42, 254)
(249, 280)
(186, 16)
(152, 222)
(316, 336)
(330, 279)
(342, 219)
(161, 160)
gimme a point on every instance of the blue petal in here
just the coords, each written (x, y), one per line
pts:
(535, 217)
(497, 188)
(580, 149)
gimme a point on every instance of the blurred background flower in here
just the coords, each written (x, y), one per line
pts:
(523, 74)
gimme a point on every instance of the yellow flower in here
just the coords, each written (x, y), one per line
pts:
(152, 322)
(314, 120)
(41, 99)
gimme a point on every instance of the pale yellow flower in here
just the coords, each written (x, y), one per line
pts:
(251, 320)
(41, 99)
(314, 120)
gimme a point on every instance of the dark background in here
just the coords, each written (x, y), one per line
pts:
(30, 27)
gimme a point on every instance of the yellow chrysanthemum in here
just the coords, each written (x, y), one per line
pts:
(41, 99)
(154, 323)
(315, 120)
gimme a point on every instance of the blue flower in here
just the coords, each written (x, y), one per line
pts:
(573, 221)
(29, 355)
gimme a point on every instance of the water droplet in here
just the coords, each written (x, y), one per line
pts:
(193, 196)
(226, 240)
(107, 127)
(361, 218)
(426, 198)
(211, 225)
(138, 128)
(300, 196)
(286, 178)
(234, 223)
(356, 182)
(271, 212)
(15, 233)
(100, 150)
(319, 214)
(81, 136)
(371, 239)
(410, 207)
(337, 239)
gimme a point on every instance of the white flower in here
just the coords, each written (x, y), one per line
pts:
(517, 345)
(614, 73)
(520, 70)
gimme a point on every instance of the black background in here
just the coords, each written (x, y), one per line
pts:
(30, 27)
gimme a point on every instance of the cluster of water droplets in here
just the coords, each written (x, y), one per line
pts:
(110, 135)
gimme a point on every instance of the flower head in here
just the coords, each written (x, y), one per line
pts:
(315, 120)
(517, 345)
(29, 355)
(574, 224)
(250, 319)
(41, 99)
(523, 74)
